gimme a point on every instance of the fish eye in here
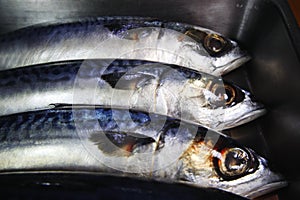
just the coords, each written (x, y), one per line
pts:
(230, 94)
(226, 93)
(214, 43)
(235, 162)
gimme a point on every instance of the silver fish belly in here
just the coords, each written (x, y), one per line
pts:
(131, 143)
(122, 37)
(133, 84)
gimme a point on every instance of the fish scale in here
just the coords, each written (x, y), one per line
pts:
(87, 24)
(31, 123)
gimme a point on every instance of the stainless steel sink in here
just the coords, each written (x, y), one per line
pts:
(266, 28)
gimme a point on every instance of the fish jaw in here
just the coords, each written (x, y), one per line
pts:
(241, 113)
(230, 61)
(222, 119)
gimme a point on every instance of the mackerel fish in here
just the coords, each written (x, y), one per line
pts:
(133, 144)
(122, 37)
(133, 84)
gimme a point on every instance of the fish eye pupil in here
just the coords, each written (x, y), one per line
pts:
(229, 95)
(235, 161)
(214, 43)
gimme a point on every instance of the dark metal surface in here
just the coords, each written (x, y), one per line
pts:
(266, 28)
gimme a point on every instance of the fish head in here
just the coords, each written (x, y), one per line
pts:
(231, 106)
(216, 161)
(230, 59)
(225, 53)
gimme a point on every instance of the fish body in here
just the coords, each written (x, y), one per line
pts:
(131, 84)
(122, 37)
(134, 144)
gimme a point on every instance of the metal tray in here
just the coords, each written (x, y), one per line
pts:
(266, 28)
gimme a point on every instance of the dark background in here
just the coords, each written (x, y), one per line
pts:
(266, 28)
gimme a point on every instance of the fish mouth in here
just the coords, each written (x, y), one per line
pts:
(245, 118)
(265, 189)
(250, 116)
(235, 64)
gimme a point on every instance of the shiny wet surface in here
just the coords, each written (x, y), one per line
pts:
(264, 28)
